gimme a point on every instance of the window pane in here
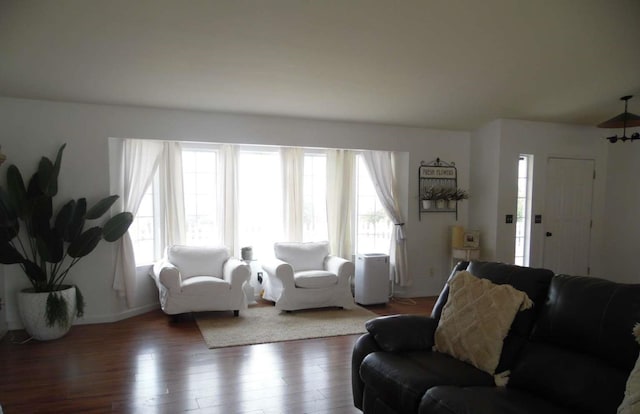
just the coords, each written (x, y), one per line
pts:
(260, 211)
(373, 227)
(315, 197)
(199, 169)
(142, 230)
(523, 213)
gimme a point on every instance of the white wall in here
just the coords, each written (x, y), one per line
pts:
(543, 140)
(30, 129)
(622, 207)
(483, 193)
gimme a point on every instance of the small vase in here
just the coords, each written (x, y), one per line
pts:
(440, 203)
(33, 306)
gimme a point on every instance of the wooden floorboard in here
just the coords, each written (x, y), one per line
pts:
(148, 364)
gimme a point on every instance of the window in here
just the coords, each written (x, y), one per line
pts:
(257, 220)
(142, 230)
(373, 227)
(200, 180)
(260, 214)
(314, 196)
(523, 214)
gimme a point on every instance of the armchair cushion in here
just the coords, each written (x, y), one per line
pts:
(198, 261)
(205, 286)
(315, 279)
(302, 256)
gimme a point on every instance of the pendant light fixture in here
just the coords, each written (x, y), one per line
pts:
(624, 120)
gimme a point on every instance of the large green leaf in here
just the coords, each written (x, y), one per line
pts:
(63, 218)
(40, 216)
(17, 191)
(85, 243)
(77, 221)
(117, 226)
(9, 224)
(8, 254)
(101, 207)
(48, 173)
(45, 167)
(50, 246)
(35, 272)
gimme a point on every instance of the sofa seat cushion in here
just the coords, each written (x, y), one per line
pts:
(314, 279)
(205, 286)
(496, 400)
(196, 260)
(401, 379)
(302, 256)
(580, 381)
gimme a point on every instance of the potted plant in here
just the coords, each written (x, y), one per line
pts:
(429, 195)
(456, 195)
(48, 246)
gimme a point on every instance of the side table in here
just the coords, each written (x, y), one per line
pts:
(464, 253)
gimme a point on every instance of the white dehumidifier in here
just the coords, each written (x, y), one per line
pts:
(372, 278)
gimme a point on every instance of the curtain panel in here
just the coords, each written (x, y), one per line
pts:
(380, 166)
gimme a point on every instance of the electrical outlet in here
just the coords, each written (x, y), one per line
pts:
(260, 277)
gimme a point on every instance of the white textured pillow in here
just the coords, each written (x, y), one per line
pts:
(476, 319)
(631, 402)
(302, 256)
(198, 261)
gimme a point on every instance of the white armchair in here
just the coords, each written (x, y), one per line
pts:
(305, 275)
(193, 279)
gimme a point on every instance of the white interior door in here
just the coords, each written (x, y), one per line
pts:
(567, 215)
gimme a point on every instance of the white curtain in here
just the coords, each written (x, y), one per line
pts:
(228, 167)
(138, 162)
(340, 196)
(292, 180)
(172, 192)
(380, 165)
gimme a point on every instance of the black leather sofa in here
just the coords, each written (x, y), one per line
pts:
(571, 353)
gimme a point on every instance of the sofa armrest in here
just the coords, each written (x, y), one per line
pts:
(343, 268)
(403, 332)
(364, 346)
(279, 272)
(168, 275)
(235, 272)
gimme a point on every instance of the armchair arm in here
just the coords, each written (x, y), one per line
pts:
(403, 332)
(235, 272)
(343, 268)
(168, 275)
(279, 272)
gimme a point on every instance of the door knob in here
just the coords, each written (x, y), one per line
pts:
(549, 234)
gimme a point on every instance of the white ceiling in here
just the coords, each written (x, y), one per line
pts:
(453, 64)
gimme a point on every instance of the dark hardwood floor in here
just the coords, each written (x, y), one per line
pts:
(147, 364)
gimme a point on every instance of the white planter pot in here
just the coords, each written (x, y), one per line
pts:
(33, 305)
(440, 203)
(426, 204)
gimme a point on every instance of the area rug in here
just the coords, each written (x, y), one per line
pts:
(264, 324)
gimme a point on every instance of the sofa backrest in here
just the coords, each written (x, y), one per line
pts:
(302, 256)
(198, 261)
(582, 348)
(534, 282)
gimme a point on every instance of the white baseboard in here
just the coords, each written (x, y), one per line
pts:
(92, 319)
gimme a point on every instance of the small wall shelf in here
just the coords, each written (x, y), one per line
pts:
(433, 178)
